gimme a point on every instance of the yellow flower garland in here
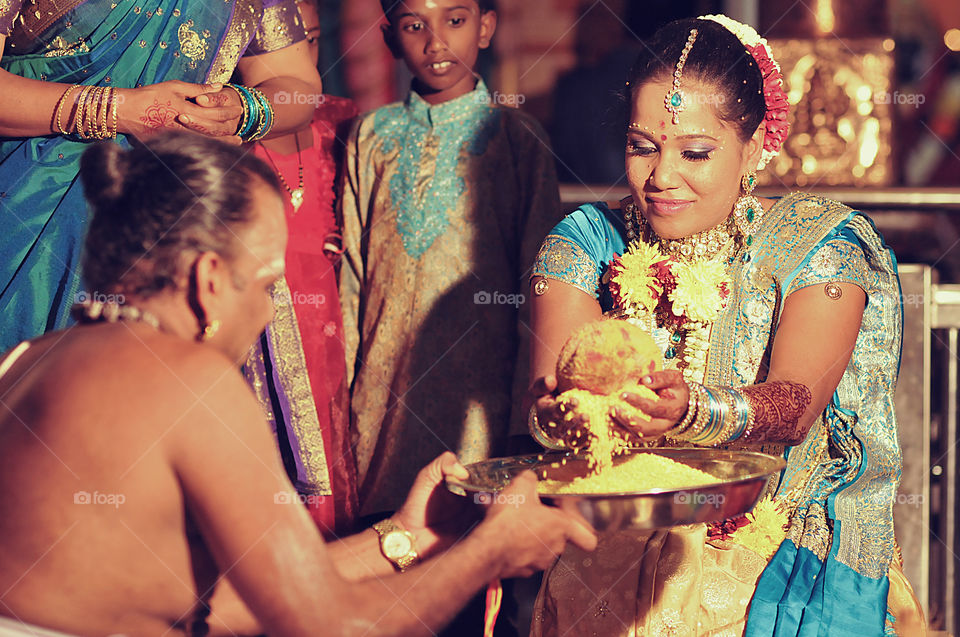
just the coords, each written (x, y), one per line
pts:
(684, 297)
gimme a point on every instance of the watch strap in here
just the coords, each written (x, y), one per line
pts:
(385, 527)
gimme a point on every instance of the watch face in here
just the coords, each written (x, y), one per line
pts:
(396, 544)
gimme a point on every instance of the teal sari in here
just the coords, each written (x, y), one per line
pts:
(120, 44)
(830, 574)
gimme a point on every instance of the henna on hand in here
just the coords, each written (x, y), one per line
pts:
(159, 115)
(776, 411)
(215, 99)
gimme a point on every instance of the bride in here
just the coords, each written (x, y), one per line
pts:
(780, 324)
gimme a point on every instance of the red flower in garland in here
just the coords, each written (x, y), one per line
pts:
(725, 529)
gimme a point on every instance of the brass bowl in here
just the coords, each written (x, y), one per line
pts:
(743, 473)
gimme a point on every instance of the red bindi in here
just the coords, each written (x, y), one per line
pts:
(663, 138)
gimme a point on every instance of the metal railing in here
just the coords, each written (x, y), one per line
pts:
(859, 198)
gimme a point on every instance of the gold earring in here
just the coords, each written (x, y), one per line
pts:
(747, 211)
(209, 330)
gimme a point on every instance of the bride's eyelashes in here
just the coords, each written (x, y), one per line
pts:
(646, 150)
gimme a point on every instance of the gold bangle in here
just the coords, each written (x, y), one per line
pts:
(106, 113)
(265, 115)
(103, 99)
(90, 112)
(78, 113)
(688, 417)
(81, 102)
(267, 109)
(718, 410)
(729, 424)
(60, 102)
(114, 100)
(701, 418)
(103, 111)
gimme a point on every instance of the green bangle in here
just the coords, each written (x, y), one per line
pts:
(266, 115)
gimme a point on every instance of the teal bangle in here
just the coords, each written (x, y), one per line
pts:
(241, 125)
(723, 416)
(267, 115)
(253, 107)
(741, 409)
(717, 413)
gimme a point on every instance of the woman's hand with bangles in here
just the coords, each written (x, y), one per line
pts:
(205, 109)
(566, 422)
(220, 117)
(673, 396)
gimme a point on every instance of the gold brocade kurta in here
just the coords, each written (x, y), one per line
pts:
(443, 211)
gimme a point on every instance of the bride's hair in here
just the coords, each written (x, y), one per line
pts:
(157, 204)
(717, 59)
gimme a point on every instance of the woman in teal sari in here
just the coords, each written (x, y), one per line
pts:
(780, 327)
(167, 61)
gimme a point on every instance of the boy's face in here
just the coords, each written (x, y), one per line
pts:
(439, 41)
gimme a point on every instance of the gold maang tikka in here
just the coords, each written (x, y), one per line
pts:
(675, 100)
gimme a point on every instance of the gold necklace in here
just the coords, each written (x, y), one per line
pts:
(697, 247)
(296, 195)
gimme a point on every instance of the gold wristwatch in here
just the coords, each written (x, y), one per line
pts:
(397, 545)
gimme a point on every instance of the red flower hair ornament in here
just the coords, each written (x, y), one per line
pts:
(775, 121)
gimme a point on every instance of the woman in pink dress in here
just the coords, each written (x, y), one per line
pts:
(298, 368)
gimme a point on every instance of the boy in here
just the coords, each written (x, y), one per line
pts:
(446, 200)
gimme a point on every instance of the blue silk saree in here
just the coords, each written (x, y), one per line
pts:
(830, 574)
(125, 44)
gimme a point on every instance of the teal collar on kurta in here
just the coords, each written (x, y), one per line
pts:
(446, 112)
(427, 190)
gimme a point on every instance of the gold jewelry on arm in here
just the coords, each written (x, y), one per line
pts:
(833, 291)
(246, 109)
(93, 112)
(60, 103)
(688, 417)
(721, 415)
(78, 116)
(90, 113)
(697, 418)
(105, 112)
(115, 127)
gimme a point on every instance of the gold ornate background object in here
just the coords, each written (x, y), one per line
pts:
(840, 94)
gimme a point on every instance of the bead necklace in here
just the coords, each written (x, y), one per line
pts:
(111, 312)
(296, 195)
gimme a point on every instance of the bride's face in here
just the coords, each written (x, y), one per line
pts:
(685, 177)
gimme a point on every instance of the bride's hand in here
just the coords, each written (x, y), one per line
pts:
(544, 392)
(665, 412)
